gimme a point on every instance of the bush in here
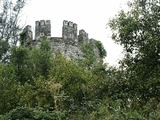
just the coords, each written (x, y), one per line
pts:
(26, 113)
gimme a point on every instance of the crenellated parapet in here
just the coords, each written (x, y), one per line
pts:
(69, 30)
(69, 44)
(83, 37)
(42, 29)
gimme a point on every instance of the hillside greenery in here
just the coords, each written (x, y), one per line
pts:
(35, 85)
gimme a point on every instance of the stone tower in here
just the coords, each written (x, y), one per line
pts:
(42, 29)
(69, 44)
(83, 37)
(28, 34)
(69, 30)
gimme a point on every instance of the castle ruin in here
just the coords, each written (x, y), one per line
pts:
(69, 44)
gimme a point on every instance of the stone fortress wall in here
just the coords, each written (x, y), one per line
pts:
(69, 44)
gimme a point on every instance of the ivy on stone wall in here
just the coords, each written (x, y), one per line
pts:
(88, 53)
(102, 51)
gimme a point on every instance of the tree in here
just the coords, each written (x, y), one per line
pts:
(8, 92)
(101, 49)
(88, 54)
(31, 63)
(138, 31)
(20, 59)
(9, 26)
(41, 59)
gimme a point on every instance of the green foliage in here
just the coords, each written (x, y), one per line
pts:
(22, 38)
(41, 59)
(26, 113)
(70, 90)
(88, 53)
(69, 75)
(42, 93)
(37, 85)
(10, 28)
(45, 46)
(100, 48)
(21, 63)
(3, 49)
(138, 32)
(8, 88)
(31, 63)
(138, 79)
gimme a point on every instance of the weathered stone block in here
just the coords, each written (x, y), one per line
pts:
(42, 29)
(65, 22)
(37, 23)
(70, 24)
(83, 37)
(42, 22)
(75, 25)
(48, 22)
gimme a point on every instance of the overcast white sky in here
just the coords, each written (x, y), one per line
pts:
(90, 15)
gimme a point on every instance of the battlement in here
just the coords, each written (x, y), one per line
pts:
(83, 37)
(82, 32)
(69, 30)
(69, 44)
(43, 23)
(42, 29)
(69, 24)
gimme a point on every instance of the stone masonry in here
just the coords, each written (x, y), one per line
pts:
(69, 44)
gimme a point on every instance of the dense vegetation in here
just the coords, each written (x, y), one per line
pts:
(35, 85)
